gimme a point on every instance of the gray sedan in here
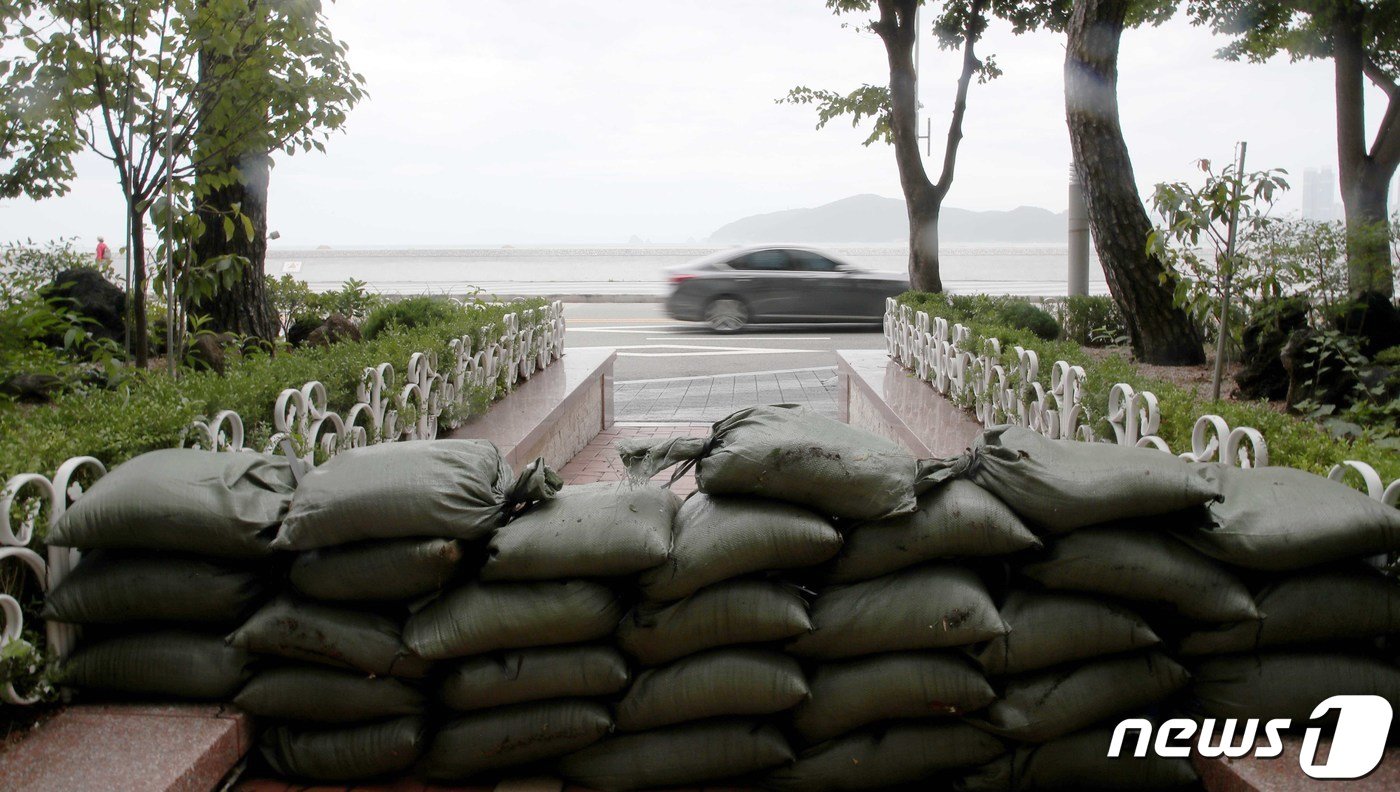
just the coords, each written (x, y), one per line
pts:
(734, 288)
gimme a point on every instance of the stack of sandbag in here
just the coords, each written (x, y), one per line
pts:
(176, 550)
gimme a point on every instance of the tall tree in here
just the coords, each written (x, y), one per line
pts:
(895, 109)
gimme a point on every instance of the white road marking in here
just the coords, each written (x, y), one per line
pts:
(747, 338)
(708, 350)
(727, 375)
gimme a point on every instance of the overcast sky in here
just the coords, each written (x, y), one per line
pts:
(564, 122)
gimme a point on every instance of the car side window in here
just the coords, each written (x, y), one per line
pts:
(762, 260)
(808, 261)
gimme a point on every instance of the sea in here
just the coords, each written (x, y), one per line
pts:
(1038, 270)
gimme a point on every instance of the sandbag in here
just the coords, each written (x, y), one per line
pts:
(326, 695)
(1042, 706)
(341, 637)
(1079, 761)
(846, 696)
(352, 753)
(1060, 485)
(712, 684)
(899, 753)
(166, 663)
(392, 570)
(955, 520)
(117, 587)
(789, 453)
(692, 753)
(448, 489)
(1143, 566)
(497, 739)
(484, 617)
(736, 612)
(718, 538)
(1278, 518)
(1287, 684)
(219, 505)
(589, 530)
(1048, 628)
(533, 675)
(925, 607)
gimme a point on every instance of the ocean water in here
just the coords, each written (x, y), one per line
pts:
(1029, 269)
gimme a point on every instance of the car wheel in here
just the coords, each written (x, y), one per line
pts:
(727, 315)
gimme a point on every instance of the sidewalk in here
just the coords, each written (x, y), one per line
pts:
(708, 399)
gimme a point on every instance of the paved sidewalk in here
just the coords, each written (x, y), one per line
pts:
(598, 461)
(712, 398)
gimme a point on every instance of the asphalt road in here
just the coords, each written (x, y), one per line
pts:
(650, 345)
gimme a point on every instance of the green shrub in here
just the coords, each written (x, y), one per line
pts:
(1091, 320)
(1028, 317)
(406, 314)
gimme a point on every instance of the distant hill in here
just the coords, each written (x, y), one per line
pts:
(873, 219)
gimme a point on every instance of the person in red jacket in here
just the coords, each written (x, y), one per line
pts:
(104, 253)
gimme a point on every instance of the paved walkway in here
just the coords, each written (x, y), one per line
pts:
(689, 399)
(598, 461)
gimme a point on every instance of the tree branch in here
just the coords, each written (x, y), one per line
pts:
(970, 65)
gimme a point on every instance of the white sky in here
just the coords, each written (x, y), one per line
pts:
(564, 122)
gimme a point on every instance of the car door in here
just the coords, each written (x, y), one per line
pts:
(761, 279)
(821, 289)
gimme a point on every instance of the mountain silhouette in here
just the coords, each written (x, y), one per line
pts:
(875, 219)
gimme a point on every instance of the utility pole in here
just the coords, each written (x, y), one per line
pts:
(1078, 237)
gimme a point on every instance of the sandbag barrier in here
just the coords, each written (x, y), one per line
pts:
(984, 620)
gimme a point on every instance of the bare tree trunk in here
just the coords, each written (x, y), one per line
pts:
(140, 337)
(1142, 286)
(244, 308)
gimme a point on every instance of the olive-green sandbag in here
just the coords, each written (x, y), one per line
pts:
(1287, 684)
(1050, 628)
(1278, 519)
(118, 587)
(219, 505)
(483, 617)
(689, 754)
(955, 520)
(497, 739)
(353, 753)
(534, 675)
(327, 695)
(1044, 705)
(717, 538)
(1060, 485)
(712, 684)
(789, 453)
(589, 530)
(341, 637)
(886, 756)
(1143, 566)
(165, 663)
(725, 614)
(856, 693)
(1079, 762)
(924, 607)
(385, 571)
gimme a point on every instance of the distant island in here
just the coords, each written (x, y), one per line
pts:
(875, 219)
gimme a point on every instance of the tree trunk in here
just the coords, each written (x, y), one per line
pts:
(1142, 286)
(923, 248)
(140, 337)
(243, 308)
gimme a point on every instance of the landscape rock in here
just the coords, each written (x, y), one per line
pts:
(1262, 374)
(1375, 321)
(336, 328)
(34, 388)
(300, 329)
(207, 351)
(91, 296)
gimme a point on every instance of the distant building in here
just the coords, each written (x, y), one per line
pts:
(1320, 195)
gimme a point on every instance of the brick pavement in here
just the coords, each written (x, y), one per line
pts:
(712, 398)
(599, 461)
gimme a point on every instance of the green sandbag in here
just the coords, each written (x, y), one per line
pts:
(849, 695)
(484, 617)
(165, 663)
(354, 753)
(219, 505)
(533, 675)
(327, 695)
(1042, 706)
(689, 754)
(899, 753)
(789, 453)
(397, 569)
(925, 607)
(1287, 684)
(958, 519)
(1079, 762)
(1278, 518)
(1144, 566)
(1061, 485)
(116, 587)
(712, 684)
(1048, 628)
(589, 530)
(448, 489)
(505, 737)
(725, 614)
(302, 630)
(718, 538)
